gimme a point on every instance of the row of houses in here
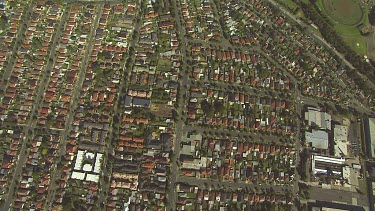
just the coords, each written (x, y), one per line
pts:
(201, 22)
(96, 101)
(295, 51)
(194, 197)
(142, 148)
(237, 67)
(240, 110)
(30, 65)
(18, 102)
(63, 76)
(13, 15)
(231, 160)
(35, 182)
(12, 138)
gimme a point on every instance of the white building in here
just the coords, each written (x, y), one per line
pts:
(87, 166)
(340, 137)
(316, 117)
(327, 165)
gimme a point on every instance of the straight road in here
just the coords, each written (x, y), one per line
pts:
(240, 135)
(183, 88)
(13, 56)
(29, 129)
(216, 184)
(355, 102)
(104, 187)
(73, 105)
(298, 146)
(315, 193)
(310, 31)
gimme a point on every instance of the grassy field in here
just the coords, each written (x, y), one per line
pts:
(293, 7)
(346, 12)
(346, 15)
(289, 4)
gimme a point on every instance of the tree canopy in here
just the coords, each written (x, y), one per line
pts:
(371, 16)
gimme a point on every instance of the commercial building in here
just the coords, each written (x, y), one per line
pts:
(87, 166)
(315, 117)
(369, 136)
(340, 137)
(327, 165)
(317, 138)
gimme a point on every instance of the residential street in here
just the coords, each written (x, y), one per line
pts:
(17, 44)
(287, 13)
(326, 44)
(177, 105)
(220, 185)
(182, 102)
(104, 187)
(29, 129)
(73, 105)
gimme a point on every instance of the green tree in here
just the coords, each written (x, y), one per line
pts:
(371, 16)
(207, 108)
(219, 107)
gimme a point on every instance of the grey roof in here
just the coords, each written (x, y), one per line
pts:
(321, 119)
(318, 139)
(128, 101)
(188, 149)
(141, 102)
(369, 127)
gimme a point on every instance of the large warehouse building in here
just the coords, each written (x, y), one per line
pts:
(369, 135)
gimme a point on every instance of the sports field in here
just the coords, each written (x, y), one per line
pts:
(346, 15)
(347, 12)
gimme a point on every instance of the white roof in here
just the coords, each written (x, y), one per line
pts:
(328, 159)
(324, 171)
(370, 135)
(341, 138)
(78, 164)
(78, 175)
(98, 161)
(194, 164)
(92, 177)
(162, 179)
(321, 119)
(87, 167)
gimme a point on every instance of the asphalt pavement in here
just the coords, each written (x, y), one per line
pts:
(322, 194)
(321, 40)
(17, 44)
(73, 104)
(29, 129)
(217, 185)
(172, 197)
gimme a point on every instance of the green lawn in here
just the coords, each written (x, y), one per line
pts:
(289, 4)
(352, 41)
(352, 36)
(164, 65)
(346, 12)
(346, 25)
